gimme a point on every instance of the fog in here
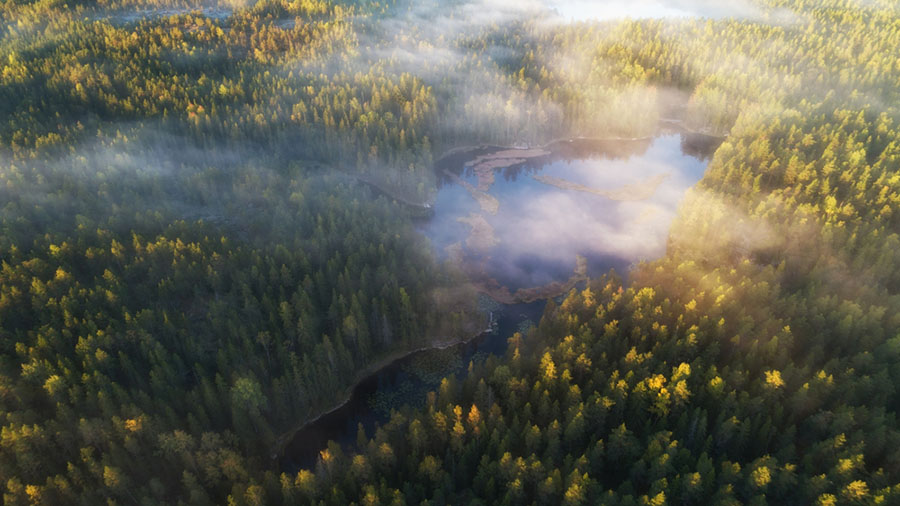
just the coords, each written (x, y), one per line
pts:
(621, 214)
(464, 52)
(587, 10)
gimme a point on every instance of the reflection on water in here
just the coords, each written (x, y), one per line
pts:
(519, 219)
(609, 202)
(405, 382)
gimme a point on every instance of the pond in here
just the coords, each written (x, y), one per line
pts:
(518, 220)
(525, 225)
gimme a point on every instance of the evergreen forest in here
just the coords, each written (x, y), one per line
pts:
(208, 236)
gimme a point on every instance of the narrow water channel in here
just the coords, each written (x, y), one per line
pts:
(405, 381)
(526, 225)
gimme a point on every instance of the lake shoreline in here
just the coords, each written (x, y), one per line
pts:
(425, 206)
(482, 282)
(666, 125)
(372, 370)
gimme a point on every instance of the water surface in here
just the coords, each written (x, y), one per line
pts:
(610, 202)
(539, 229)
(405, 382)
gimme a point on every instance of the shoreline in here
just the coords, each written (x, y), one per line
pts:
(388, 192)
(285, 438)
(489, 286)
(664, 125)
(499, 294)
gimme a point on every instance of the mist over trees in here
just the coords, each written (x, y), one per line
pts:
(190, 267)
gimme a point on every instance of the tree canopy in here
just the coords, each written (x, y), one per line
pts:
(190, 267)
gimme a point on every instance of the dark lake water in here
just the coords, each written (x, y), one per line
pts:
(610, 202)
(407, 381)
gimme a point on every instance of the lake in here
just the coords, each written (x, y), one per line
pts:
(406, 381)
(525, 225)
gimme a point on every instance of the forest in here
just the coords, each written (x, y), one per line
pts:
(208, 236)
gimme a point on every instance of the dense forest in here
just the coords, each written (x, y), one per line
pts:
(192, 266)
